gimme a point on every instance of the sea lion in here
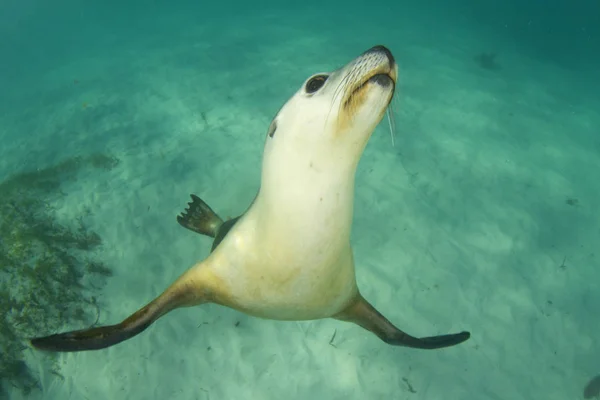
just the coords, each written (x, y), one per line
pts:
(288, 256)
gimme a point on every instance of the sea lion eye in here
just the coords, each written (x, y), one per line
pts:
(315, 83)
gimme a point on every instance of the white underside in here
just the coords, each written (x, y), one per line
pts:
(290, 257)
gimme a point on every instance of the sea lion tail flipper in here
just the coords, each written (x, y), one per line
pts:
(178, 295)
(200, 218)
(365, 315)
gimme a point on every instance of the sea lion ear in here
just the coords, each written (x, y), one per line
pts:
(272, 128)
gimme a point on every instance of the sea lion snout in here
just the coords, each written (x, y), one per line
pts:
(379, 49)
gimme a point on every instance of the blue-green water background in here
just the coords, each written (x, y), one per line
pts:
(165, 84)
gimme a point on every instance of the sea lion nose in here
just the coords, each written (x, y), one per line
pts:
(383, 50)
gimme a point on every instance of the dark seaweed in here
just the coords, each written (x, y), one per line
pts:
(43, 264)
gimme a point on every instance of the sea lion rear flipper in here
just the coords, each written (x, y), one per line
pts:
(365, 315)
(179, 294)
(200, 218)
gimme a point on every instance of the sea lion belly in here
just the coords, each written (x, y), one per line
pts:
(268, 272)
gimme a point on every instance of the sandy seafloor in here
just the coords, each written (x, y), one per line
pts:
(463, 224)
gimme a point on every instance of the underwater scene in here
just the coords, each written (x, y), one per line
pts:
(299, 200)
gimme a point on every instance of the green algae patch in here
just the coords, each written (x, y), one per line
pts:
(49, 270)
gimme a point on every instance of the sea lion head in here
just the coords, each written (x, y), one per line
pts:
(333, 114)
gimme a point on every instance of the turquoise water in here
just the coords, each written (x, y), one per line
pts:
(482, 216)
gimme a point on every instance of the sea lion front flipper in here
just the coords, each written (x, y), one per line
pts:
(95, 338)
(200, 218)
(223, 231)
(365, 315)
(179, 294)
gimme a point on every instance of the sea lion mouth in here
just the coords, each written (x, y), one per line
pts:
(382, 79)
